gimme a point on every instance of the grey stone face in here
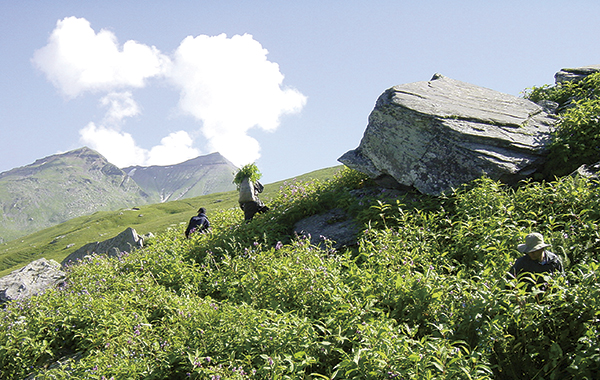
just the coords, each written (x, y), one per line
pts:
(334, 225)
(126, 241)
(574, 74)
(35, 278)
(439, 134)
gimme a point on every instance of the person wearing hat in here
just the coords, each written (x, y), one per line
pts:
(198, 223)
(536, 258)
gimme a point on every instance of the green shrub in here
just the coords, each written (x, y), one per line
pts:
(568, 92)
(424, 296)
(576, 140)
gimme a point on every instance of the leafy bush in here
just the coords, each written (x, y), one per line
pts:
(424, 296)
(577, 137)
(567, 93)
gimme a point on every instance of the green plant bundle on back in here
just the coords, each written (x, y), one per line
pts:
(247, 171)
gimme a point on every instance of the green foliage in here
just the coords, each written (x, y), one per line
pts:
(247, 171)
(576, 140)
(423, 296)
(567, 92)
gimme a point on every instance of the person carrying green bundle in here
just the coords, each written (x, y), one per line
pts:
(247, 181)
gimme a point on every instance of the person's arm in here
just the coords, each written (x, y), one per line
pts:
(259, 187)
(515, 269)
(189, 228)
(559, 265)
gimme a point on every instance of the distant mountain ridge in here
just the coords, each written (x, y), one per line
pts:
(199, 176)
(60, 187)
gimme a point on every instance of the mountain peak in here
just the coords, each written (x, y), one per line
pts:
(60, 187)
(202, 175)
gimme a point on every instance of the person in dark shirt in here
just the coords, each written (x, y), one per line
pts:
(536, 258)
(198, 223)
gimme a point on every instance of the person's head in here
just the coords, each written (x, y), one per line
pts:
(534, 246)
(201, 210)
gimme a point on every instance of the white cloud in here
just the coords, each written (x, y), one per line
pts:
(239, 148)
(173, 149)
(76, 59)
(229, 85)
(120, 105)
(120, 148)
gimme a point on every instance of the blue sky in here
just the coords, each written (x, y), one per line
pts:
(289, 85)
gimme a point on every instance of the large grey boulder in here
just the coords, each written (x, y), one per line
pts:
(575, 74)
(436, 135)
(334, 226)
(33, 279)
(126, 241)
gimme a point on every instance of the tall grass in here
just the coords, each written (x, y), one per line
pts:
(424, 295)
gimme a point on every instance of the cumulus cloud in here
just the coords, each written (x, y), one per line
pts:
(120, 148)
(120, 105)
(231, 86)
(77, 59)
(227, 84)
(173, 149)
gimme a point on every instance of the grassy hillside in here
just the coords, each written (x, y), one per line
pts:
(59, 241)
(424, 295)
(61, 187)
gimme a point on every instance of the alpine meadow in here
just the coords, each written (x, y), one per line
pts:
(424, 294)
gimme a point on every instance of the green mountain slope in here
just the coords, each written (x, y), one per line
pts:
(61, 187)
(64, 186)
(202, 175)
(57, 242)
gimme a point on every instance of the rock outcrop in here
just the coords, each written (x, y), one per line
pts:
(436, 135)
(591, 171)
(334, 225)
(126, 241)
(574, 74)
(33, 279)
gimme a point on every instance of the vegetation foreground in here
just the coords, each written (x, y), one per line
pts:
(424, 295)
